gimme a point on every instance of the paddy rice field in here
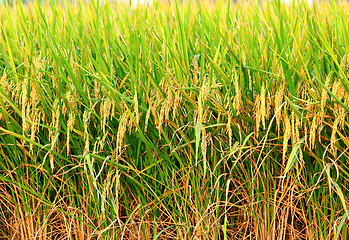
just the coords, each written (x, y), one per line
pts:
(174, 120)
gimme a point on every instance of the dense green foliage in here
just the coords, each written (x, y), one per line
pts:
(174, 121)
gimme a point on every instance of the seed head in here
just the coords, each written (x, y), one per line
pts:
(105, 112)
(147, 116)
(263, 110)
(333, 136)
(168, 104)
(201, 102)
(105, 192)
(313, 129)
(121, 132)
(71, 101)
(176, 103)
(279, 97)
(237, 102)
(258, 114)
(70, 127)
(195, 73)
(204, 147)
(287, 135)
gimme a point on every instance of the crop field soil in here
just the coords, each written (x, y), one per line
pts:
(174, 120)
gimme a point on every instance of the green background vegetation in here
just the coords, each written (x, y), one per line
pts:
(179, 121)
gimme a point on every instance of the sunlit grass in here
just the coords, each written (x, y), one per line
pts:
(174, 121)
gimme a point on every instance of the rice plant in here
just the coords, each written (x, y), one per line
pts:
(175, 120)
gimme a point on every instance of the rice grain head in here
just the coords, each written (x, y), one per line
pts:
(342, 114)
(263, 110)
(287, 136)
(34, 128)
(333, 136)
(345, 65)
(71, 100)
(121, 132)
(258, 114)
(105, 113)
(168, 103)
(313, 128)
(106, 186)
(116, 180)
(161, 116)
(70, 127)
(297, 136)
(279, 98)
(204, 147)
(204, 91)
(237, 102)
(195, 73)
(147, 116)
(176, 103)
(97, 91)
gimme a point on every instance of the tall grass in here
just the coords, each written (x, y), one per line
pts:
(174, 121)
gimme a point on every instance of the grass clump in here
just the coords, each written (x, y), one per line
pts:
(174, 121)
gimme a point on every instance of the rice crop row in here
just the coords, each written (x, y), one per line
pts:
(179, 120)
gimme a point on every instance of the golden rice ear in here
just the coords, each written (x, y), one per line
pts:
(105, 109)
(105, 193)
(336, 88)
(278, 100)
(70, 127)
(121, 132)
(204, 91)
(3, 80)
(345, 65)
(313, 129)
(257, 114)
(195, 73)
(97, 90)
(25, 102)
(287, 136)
(161, 117)
(71, 100)
(34, 127)
(263, 110)
(204, 147)
(176, 104)
(333, 136)
(237, 99)
(168, 103)
(147, 116)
